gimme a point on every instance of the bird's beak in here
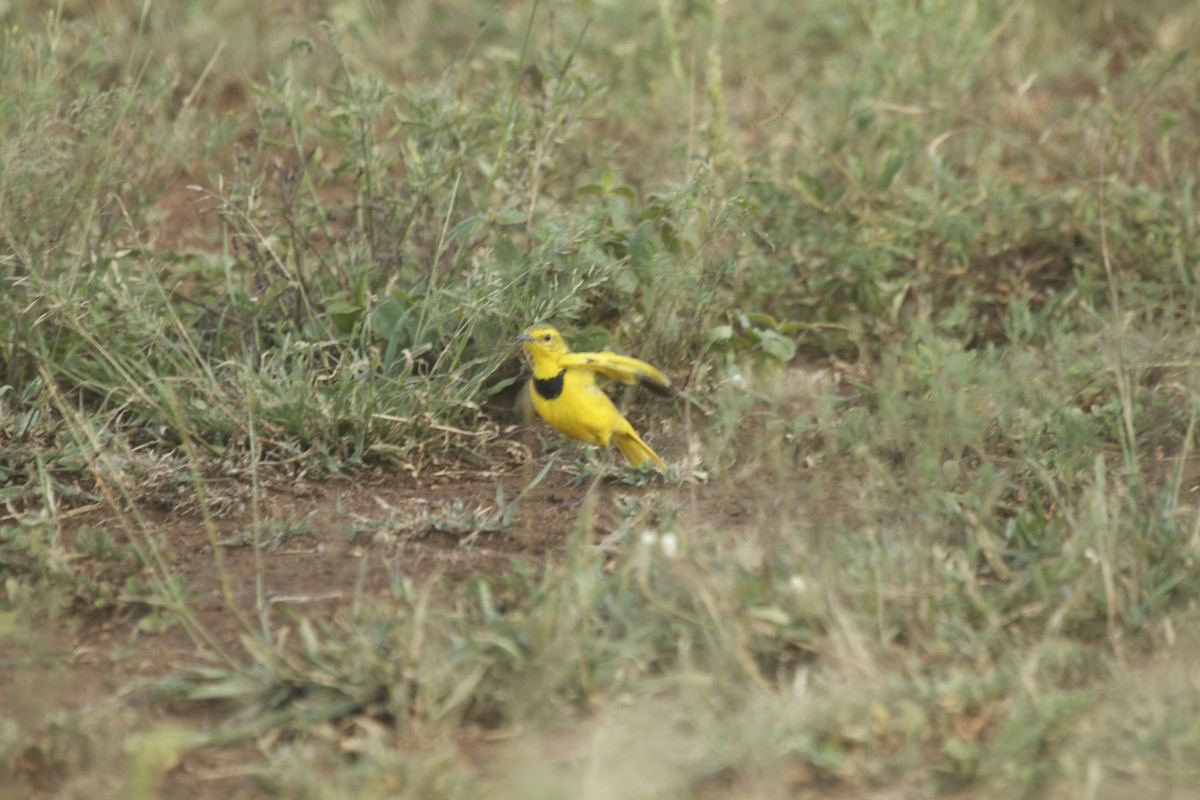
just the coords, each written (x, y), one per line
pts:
(524, 337)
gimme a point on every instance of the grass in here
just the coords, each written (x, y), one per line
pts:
(927, 274)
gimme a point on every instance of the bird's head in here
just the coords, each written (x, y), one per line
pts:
(543, 343)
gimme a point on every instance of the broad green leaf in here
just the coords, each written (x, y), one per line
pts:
(465, 228)
(509, 217)
(778, 347)
(810, 188)
(721, 333)
(891, 165)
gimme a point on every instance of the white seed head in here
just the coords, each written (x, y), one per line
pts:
(670, 545)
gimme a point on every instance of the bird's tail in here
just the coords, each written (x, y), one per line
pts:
(636, 451)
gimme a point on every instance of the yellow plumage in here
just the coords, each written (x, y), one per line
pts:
(564, 392)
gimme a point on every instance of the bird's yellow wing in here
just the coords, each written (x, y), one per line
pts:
(618, 367)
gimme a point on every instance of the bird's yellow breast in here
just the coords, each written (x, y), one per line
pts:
(579, 409)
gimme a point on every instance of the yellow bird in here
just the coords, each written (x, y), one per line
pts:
(565, 394)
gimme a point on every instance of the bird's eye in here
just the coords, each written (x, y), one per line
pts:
(546, 338)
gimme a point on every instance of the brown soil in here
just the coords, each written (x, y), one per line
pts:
(349, 544)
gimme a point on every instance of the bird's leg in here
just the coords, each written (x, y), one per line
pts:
(582, 462)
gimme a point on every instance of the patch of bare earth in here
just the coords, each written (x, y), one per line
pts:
(348, 538)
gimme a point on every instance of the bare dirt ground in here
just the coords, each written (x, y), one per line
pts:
(354, 537)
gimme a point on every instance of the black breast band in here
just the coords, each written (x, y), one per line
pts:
(550, 388)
